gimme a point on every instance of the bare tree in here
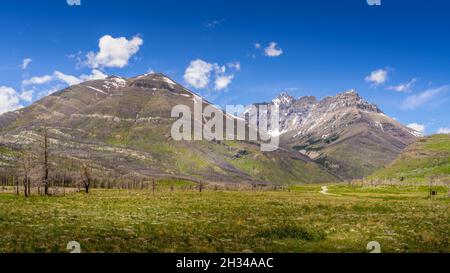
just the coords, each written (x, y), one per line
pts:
(26, 165)
(45, 179)
(64, 184)
(153, 186)
(16, 182)
(86, 177)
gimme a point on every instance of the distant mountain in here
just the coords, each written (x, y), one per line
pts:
(122, 126)
(346, 134)
(429, 157)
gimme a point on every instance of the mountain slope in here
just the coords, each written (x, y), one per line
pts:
(419, 162)
(120, 126)
(346, 134)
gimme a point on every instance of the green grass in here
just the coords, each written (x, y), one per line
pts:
(439, 143)
(298, 220)
(175, 183)
(424, 159)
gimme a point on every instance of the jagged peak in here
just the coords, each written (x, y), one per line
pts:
(349, 93)
(283, 99)
(350, 98)
(307, 99)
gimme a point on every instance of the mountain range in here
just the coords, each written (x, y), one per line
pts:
(121, 126)
(344, 133)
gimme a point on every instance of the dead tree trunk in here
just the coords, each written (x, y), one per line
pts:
(16, 181)
(25, 186)
(153, 186)
(86, 178)
(45, 179)
(64, 184)
(25, 165)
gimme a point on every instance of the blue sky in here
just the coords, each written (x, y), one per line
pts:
(396, 55)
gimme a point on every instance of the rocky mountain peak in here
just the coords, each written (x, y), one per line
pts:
(306, 101)
(283, 100)
(348, 99)
(154, 81)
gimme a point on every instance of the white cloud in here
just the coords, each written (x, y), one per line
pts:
(443, 131)
(96, 75)
(26, 62)
(403, 87)
(26, 95)
(273, 50)
(68, 79)
(414, 101)
(198, 73)
(257, 45)
(38, 80)
(377, 77)
(235, 65)
(417, 127)
(223, 81)
(49, 91)
(219, 69)
(114, 52)
(9, 100)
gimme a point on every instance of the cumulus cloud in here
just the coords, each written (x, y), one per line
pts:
(443, 131)
(377, 77)
(197, 74)
(95, 75)
(9, 100)
(223, 81)
(114, 52)
(26, 62)
(273, 50)
(403, 87)
(414, 101)
(27, 95)
(417, 127)
(68, 79)
(37, 80)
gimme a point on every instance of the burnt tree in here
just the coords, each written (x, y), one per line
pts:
(86, 178)
(26, 165)
(45, 179)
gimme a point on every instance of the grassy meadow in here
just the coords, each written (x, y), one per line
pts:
(296, 220)
(428, 157)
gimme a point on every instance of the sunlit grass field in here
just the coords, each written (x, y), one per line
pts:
(296, 220)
